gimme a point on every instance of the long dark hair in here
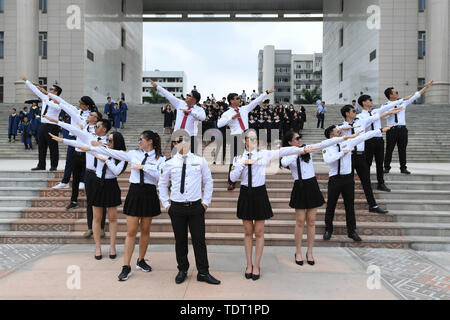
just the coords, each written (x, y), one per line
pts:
(150, 135)
(288, 138)
(119, 144)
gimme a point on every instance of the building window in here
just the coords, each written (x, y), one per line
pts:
(422, 44)
(43, 6)
(122, 73)
(342, 6)
(422, 5)
(43, 83)
(340, 95)
(1, 89)
(341, 72)
(373, 55)
(124, 6)
(43, 45)
(2, 45)
(124, 37)
(2, 6)
(341, 37)
(90, 55)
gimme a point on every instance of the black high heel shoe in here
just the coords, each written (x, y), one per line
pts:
(113, 256)
(300, 263)
(249, 275)
(98, 257)
(311, 263)
(256, 276)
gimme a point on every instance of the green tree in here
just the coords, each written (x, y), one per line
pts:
(309, 97)
(155, 97)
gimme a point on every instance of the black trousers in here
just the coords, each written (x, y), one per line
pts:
(362, 169)
(398, 135)
(78, 168)
(320, 120)
(344, 185)
(89, 181)
(193, 217)
(46, 141)
(235, 139)
(375, 148)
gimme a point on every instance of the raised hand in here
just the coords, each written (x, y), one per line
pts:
(56, 138)
(187, 112)
(153, 83)
(395, 110)
(427, 86)
(347, 151)
(272, 90)
(355, 134)
(50, 118)
(386, 129)
(23, 78)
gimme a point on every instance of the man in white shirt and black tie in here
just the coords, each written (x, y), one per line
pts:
(236, 117)
(185, 173)
(52, 110)
(399, 134)
(188, 111)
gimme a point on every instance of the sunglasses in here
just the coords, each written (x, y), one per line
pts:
(188, 96)
(140, 140)
(110, 140)
(93, 114)
(298, 138)
(236, 98)
(253, 139)
(98, 126)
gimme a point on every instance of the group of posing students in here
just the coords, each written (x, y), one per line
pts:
(179, 179)
(26, 123)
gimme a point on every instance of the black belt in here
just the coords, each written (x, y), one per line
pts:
(400, 126)
(187, 203)
(342, 175)
(79, 153)
(90, 170)
(358, 153)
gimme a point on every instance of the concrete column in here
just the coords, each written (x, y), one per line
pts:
(269, 70)
(27, 46)
(437, 54)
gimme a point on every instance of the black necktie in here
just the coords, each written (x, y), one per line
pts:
(249, 171)
(104, 171)
(81, 113)
(299, 171)
(95, 159)
(339, 161)
(45, 110)
(373, 128)
(141, 172)
(183, 175)
(353, 132)
(396, 118)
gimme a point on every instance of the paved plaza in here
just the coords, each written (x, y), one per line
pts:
(71, 272)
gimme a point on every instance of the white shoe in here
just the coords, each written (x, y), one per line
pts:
(81, 186)
(61, 186)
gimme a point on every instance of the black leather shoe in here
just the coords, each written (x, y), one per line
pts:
(300, 263)
(37, 168)
(378, 210)
(383, 187)
(386, 170)
(181, 276)
(53, 169)
(207, 278)
(354, 236)
(231, 187)
(327, 235)
(404, 171)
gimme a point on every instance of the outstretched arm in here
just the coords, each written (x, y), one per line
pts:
(116, 154)
(258, 100)
(169, 96)
(34, 88)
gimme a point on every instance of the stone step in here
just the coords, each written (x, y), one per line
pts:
(35, 237)
(235, 226)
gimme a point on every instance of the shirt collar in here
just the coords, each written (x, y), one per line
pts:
(180, 156)
(150, 154)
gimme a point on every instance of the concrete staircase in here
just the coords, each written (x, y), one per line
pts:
(419, 214)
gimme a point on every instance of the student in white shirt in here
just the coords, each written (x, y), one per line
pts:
(306, 196)
(253, 206)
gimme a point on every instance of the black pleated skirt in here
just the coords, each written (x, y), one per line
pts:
(307, 195)
(254, 204)
(142, 201)
(106, 194)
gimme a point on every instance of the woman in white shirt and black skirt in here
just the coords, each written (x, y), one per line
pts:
(253, 204)
(142, 201)
(306, 196)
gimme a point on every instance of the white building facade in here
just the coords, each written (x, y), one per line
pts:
(87, 47)
(173, 81)
(370, 45)
(289, 73)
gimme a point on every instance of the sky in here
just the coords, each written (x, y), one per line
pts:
(222, 57)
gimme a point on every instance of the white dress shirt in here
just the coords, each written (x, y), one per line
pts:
(135, 157)
(358, 125)
(77, 116)
(197, 171)
(53, 110)
(401, 116)
(197, 112)
(235, 127)
(383, 109)
(263, 157)
(307, 168)
(83, 138)
(332, 156)
(112, 170)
